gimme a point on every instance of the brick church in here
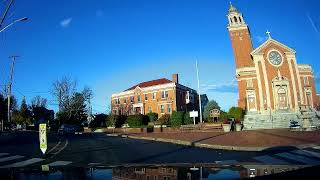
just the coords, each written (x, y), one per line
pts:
(273, 87)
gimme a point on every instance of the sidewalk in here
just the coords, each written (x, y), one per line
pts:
(256, 140)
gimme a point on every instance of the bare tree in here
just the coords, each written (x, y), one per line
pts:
(63, 90)
(38, 101)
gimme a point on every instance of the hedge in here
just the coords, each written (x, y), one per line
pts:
(137, 120)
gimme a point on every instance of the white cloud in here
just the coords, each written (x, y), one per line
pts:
(230, 86)
(66, 22)
(313, 23)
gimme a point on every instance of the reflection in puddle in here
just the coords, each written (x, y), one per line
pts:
(154, 172)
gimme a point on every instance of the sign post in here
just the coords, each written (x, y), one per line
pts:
(43, 137)
(194, 114)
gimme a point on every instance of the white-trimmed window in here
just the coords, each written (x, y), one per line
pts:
(305, 80)
(117, 101)
(154, 95)
(132, 99)
(169, 108)
(125, 100)
(139, 98)
(164, 94)
(162, 108)
(150, 109)
(146, 97)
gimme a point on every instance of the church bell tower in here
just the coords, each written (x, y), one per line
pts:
(240, 38)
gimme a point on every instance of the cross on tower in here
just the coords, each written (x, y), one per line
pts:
(268, 32)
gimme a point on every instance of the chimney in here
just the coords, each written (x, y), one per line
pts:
(175, 78)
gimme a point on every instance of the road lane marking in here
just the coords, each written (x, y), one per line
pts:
(59, 163)
(270, 160)
(307, 153)
(23, 163)
(65, 145)
(231, 162)
(298, 158)
(54, 147)
(316, 147)
(4, 154)
(11, 158)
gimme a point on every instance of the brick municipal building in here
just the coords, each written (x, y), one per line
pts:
(273, 87)
(161, 96)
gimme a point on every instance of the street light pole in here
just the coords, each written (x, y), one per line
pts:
(18, 20)
(10, 86)
(199, 91)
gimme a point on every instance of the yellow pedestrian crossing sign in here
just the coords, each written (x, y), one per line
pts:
(43, 137)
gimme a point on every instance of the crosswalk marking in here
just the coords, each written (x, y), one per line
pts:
(298, 158)
(3, 154)
(59, 163)
(316, 147)
(231, 162)
(23, 163)
(270, 160)
(10, 158)
(307, 153)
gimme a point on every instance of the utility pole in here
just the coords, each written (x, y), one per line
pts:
(10, 85)
(199, 91)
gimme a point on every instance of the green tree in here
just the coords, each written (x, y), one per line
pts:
(24, 115)
(99, 120)
(223, 115)
(211, 105)
(236, 112)
(187, 118)
(176, 118)
(152, 116)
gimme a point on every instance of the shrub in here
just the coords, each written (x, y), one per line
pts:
(223, 115)
(137, 120)
(163, 120)
(187, 118)
(99, 121)
(116, 120)
(236, 112)
(152, 116)
(177, 118)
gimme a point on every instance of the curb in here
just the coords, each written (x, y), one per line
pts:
(212, 146)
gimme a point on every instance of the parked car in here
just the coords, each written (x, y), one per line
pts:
(69, 129)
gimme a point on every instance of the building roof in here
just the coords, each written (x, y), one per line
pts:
(268, 41)
(150, 83)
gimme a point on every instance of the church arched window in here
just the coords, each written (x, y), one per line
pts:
(231, 20)
(240, 20)
(235, 19)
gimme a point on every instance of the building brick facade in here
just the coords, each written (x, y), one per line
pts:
(161, 96)
(269, 77)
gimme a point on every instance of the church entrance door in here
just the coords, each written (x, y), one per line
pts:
(282, 99)
(251, 102)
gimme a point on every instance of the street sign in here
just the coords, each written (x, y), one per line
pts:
(43, 137)
(193, 113)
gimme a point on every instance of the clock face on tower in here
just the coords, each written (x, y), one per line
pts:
(275, 58)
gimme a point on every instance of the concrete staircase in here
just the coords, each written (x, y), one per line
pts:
(281, 119)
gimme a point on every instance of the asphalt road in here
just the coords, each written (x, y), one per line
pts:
(100, 149)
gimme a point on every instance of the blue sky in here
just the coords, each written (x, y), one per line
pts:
(111, 45)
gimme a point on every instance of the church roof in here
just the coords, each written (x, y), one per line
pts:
(150, 83)
(232, 8)
(267, 42)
